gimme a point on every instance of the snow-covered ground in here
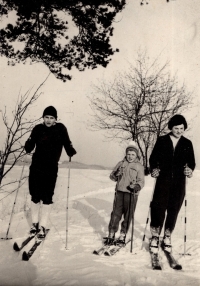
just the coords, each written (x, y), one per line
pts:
(91, 196)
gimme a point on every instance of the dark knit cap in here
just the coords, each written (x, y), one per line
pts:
(50, 110)
(177, 120)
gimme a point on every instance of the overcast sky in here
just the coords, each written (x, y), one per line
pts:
(168, 30)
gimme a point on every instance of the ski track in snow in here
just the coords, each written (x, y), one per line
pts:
(90, 205)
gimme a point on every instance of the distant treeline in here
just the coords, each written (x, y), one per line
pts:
(65, 164)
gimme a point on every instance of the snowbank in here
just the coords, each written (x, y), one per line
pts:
(91, 196)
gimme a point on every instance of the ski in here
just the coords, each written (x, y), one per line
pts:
(27, 255)
(101, 250)
(171, 260)
(16, 247)
(115, 248)
(155, 263)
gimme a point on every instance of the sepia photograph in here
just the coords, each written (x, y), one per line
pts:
(99, 136)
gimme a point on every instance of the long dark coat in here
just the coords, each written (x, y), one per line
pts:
(171, 163)
(48, 143)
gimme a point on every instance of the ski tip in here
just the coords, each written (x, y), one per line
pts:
(157, 268)
(16, 247)
(177, 267)
(95, 252)
(25, 256)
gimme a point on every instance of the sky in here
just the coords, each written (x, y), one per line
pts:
(168, 30)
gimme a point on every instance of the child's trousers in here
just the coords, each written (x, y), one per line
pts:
(124, 204)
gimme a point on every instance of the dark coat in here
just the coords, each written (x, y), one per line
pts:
(170, 185)
(48, 143)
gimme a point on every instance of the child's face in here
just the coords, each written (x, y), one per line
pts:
(49, 120)
(131, 156)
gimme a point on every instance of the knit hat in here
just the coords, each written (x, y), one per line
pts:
(50, 110)
(132, 147)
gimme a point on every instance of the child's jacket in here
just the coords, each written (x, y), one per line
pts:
(129, 173)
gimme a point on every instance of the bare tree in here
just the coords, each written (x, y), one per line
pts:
(138, 104)
(16, 129)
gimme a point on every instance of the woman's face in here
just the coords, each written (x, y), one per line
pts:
(178, 130)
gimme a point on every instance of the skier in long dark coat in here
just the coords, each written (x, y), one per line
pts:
(172, 159)
(47, 139)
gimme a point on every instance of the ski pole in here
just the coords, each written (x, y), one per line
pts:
(17, 190)
(148, 215)
(133, 212)
(185, 219)
(67, 203)
(185, 228)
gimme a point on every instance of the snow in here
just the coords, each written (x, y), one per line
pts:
(64, 262)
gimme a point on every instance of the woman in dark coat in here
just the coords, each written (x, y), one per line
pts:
(172, 159)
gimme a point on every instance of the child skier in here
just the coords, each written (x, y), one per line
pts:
(129, 175)
(48, 140)
(172, 159)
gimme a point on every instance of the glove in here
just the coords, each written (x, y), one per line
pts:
(187, 172)
(71, 152)
(134, 188)
(155, 173)
(118, 172)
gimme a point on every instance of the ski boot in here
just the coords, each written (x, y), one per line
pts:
(34, 229)
(154, 244)
(42, 233)
(121, 239)
(166, 243)
(110, 239)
